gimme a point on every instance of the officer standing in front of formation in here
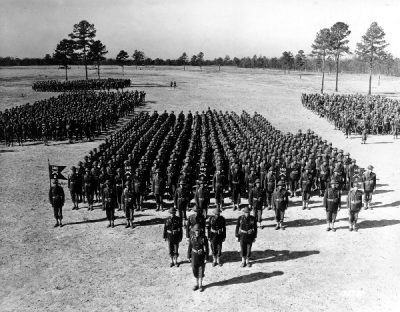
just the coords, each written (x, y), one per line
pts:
(173, 234)
(246, 233)
(280, 202)
(196, 218)
(216, 235)
(128, 203)
(354, 204)
(199, 255)
(57, 199)
(109, 203)
(332, 204)
(369, 184)
(256, 201)
(73, 185)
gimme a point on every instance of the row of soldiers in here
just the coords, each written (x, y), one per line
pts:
(72, 116)
(355, 113)
(80, 85)
(229, 161)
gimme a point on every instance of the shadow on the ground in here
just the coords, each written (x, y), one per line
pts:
(263, 256)
(303, 222)
(367, 224)
(6, 151)
(378, 204)
(244, 279)
(382, 191)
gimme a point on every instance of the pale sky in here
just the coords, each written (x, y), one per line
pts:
(167, 28)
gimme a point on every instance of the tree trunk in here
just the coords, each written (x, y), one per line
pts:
(123, 73)
(84, 61)
(323, 74)
(219, 67)
(184, 67)
(66, 72)
(98, 70)
(337, 72)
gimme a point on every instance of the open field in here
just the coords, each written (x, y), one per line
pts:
(86, 267)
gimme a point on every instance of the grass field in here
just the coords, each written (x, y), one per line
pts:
(86, 267)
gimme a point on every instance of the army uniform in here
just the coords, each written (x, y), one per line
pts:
(89, 186)
(109, 199)
(270, 187)
(181, 200)
(118, 180)
(332, 204)
(369, 184)
(202, 198)
(306, 182)
(256, 201)
(73, 185)
(173, 234)
(196, 218)
(57, 200)
(128, 203)
(158, 189)
(199, 254)
(235, 184)
(280, 202)
(354, 204)
(218, 186)
(246, 233)
(216, 230)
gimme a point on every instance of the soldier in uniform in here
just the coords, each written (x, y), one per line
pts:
(57, 199)
(199, 254)
(306, 182)
(218, 187)
(354, 204)
(109, 199)
(202, 197)
(196, 218)
(73, 185)
(128, 203)
(216, 235)
(235, 184)
(173, 234)
(270, 182)
(331, 204)
(181, 200)
(294, 176)
(246, 233)
(369, 184)
(118, 180)
(158, 189)
(89, 186)
(256, 201)
(280, 202)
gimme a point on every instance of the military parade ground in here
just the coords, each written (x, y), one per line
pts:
(168, 162)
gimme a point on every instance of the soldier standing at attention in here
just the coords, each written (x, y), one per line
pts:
(158, 189)
(331, 204)
(235, 184)
(173, 234)
(280, 202)
(73, 185)
(181, 200)
(109, 203)
(199, 252)
(89, 186)
(196, 218)
(256, 201)
(57, 199)
(118, 181)
(216, 235)
(218, 186)
(128, 203)
(369, 184)
(270, 182)
(354, 204)
(246, 233)
(202, 197)
(306, 182)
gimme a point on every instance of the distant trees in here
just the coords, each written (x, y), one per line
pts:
(220, 62)
(339, 32)
(321, 47)
(122, 58)
(96, 54)
(372, 48)
(182, 60)
(138, 57)
(200, 60)
(300, 61)
(287, 61)
(64, 54)
(83, 36)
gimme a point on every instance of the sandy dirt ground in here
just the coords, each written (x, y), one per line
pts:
(86, 267)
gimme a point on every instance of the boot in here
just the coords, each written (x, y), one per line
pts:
(132, 225)
(112, 224)
(172, 262)
(277, 226)
(195, 287)
(127, 225)
(243, 264)
(214, 261)
(304, 205)
(333, 227)
(219, 261)
(281, 226)
(57, 224)
(350, 227)
(201, 288)
(369, 205)
(355, 227)
(61, 225)
(109, 224)
(248, 264)
(328, 226)
(176, 261)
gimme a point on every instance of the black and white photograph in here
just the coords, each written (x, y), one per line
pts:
(214, 155)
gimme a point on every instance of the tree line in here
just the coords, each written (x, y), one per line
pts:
(328, 49)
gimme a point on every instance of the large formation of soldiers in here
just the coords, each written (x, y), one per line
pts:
(355, 113)
(80, 85)
(191, 158)
(72, 116)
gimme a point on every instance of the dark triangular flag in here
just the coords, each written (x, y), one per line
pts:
(55, 172)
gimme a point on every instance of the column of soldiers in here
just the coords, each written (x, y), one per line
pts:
(355, 113)
(72, 116)
(80, 85)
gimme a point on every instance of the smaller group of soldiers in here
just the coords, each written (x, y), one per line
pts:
(356, 113)
(80, 85)
(71, 116)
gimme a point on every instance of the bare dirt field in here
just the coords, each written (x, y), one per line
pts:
(86, 267)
